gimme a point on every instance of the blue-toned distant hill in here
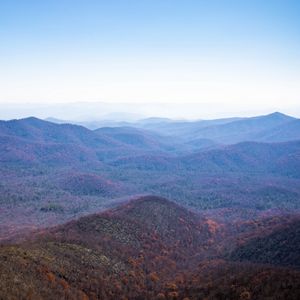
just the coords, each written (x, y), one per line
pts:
(55, 172)
(35, 140)
(285, 132)
(139, 138)
(249, 157)
(275, 127)
(205, 134)
(181, 128)
(36, 130)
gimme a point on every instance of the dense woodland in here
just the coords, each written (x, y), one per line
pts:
(76, 221)
(149, 248)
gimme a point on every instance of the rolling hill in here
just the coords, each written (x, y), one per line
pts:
(51, 173)
(132, 243)
(247, 129)
(249, 157)
(36, 130)
(32, 140)
(146, 248)
(275, 127)
(139, 138)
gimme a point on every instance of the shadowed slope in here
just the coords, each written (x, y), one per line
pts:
(280, 247)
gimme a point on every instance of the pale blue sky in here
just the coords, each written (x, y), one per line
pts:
(235, 53)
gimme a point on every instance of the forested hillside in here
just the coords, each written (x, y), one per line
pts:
(83, 216)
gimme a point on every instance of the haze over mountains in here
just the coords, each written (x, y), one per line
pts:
(94, 112)
(123, 161)
(261, 128)
(150, 150)
(150, 209)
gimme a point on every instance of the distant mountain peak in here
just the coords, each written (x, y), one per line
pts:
(278, 114)
(33, 121)
(31, 118)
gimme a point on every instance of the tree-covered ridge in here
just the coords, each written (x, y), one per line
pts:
(77, 221)
(57, 172)
(280, 247)
(147, 248)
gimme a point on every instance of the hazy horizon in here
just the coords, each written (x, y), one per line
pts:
(150, 149)
(219, 58)
(96, 111)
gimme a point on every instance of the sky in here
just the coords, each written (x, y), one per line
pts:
(214, 55)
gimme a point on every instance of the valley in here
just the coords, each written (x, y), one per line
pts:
(156, 209)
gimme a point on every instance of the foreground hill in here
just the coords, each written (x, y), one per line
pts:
(124, 251)
(147, 248)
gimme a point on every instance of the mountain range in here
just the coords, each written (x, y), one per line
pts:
(152, 209)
